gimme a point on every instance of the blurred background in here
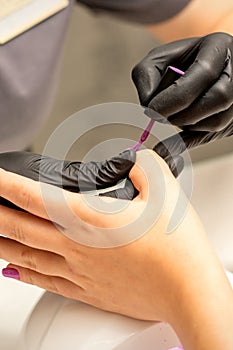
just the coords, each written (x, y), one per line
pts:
(98, 57)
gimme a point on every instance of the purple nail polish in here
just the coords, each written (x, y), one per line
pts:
(11, 273)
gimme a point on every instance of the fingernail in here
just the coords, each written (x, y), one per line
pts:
(11, 273)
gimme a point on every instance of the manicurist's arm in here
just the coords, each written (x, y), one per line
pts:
(198, 18)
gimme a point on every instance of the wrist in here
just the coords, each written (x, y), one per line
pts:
(202, 308)
(197, 297)
(225, 24)
(203, 318)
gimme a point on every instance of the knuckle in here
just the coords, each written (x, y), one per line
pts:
(30, 279)
(24, 197)
(223, 39)
(157, 105)
(207, 69)
(223, 96)
(137, 71)
(216, 125)
(53, 285)
(16, 231)
(28, 259)
(228, 39)
(74, 255)
(78, 276)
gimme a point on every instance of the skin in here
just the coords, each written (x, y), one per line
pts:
(174, 278)
(194, 21)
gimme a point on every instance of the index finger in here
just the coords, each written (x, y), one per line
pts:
(49, 202)
(26, 193)
(22, 192)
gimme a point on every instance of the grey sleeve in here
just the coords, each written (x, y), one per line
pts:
(29, 69)
(141, 11)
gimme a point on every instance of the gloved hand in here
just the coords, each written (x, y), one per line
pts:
(199, 102)
(72, 176)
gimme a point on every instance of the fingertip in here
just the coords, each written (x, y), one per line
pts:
(146, 78)
(176, 165)
(128, 155)
(161, 150)
(121, 164)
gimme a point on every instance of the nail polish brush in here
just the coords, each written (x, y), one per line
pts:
(147, 131)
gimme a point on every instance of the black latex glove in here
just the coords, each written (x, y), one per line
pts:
(73, 176)
(201, 101)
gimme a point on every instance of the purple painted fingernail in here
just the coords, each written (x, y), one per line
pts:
(11, 273)
(177, 348)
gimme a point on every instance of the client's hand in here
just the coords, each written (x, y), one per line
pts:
(174, 277)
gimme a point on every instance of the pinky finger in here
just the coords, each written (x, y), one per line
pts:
(53, 284)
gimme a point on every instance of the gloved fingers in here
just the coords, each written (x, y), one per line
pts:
(228, 131)
(97, 175)
(128, 192)
(21, 163)
(215, 123)
(176, 164)
(178, 143)
(182, 94)
(34, 166)
(146, 78)
(215, 100)
(147, 74)
(77, 176)
(205, 70)
(71, 176)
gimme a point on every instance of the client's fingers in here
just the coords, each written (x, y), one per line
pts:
(30, 230)
(53, 284)
(40, 199)
(23, 192)
(41, 261)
